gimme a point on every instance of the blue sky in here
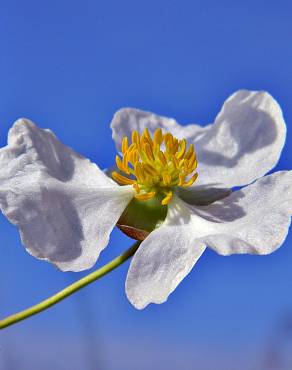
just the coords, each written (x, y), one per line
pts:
(68, 66)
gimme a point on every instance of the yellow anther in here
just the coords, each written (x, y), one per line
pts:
(158, 137)
(119, 163)
(192, 164)
(175, 145)
(181, 152)
(156, 165)
(133, 156)
(125, 144)
(126, 162)
(168, 139)
(121, 166)
(136, 187)
(182, 163)
(131, 147)
(122, 179)
(166, 178)
(150, 170)
(136, 138)
(139, 172)
(146, 135)
(167, 199)
(145, 196)
(185, 166)
(149, 153)
(175, 162)
(190, 181)
(181, 179)
(162, 158)
(190, 152)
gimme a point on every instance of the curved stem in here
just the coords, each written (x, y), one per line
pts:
(22, 315)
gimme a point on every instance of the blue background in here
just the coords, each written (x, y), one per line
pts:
(69, 65)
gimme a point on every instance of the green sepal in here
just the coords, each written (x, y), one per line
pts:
(142, 216)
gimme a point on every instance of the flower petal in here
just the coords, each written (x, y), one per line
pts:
(64, 205)
(127, 120)
(202, 195)
(253, 220)
(163, 259)
(242, 145)
(41, 151)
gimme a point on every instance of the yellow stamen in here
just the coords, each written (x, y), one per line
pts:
(181, 152)
(190, 181)
(136, 139)
(149, 152)
(181, 179)
(175, 145)
(133, 156)
(146, 135)
(139, 172)
(131, 148)
(162, 159)
(156, 165)
(150, 170)
(145, 196)
(125, 144)
(192, 165)
(175, 162)
(167, 199)
(126, 164)
(122, 179)
(136, 187)
(168, 139)
(158, 137)
(190, 152)
(166, 178)
(121, 166)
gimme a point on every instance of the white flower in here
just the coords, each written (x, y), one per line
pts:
(66, 207)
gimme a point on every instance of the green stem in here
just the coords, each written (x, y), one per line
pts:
(22, 315)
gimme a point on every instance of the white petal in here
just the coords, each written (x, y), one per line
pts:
(41, 151)
(163, 259)
(64, 205)
(242, 145)
(127, 120)
(202, 195)
(253, 220)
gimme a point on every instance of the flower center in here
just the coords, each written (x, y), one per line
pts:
(154, 166)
